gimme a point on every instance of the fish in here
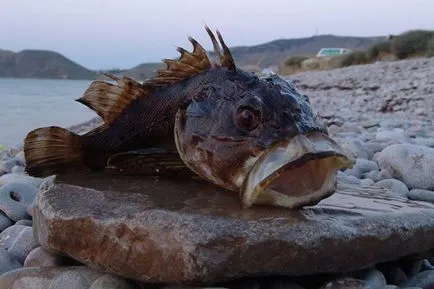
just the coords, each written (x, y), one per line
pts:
(202, 116)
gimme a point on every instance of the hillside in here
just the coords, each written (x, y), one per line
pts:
(274, 52)
(47, 64)
(41, 64)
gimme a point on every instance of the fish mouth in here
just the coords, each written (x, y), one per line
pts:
(295, 172)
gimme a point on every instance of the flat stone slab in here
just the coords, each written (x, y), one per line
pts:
(192, 232)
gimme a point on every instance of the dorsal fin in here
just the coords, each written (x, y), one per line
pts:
(109, 100)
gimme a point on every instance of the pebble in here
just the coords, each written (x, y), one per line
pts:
(40, 257)
(4, 221)
(361, 167)
(411, 164)
(20, 178)
(395, 186)
(71, 277)
(421, 195)
(7, 263)
(345, 283)
(15, 197)
(424, 280)
(394, 136)
(366, 182)
(394, 275)
(18, 241)
(17, 169)
(112, 282)
(28, 223)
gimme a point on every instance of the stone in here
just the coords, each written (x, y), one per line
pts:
(394, 274)
(373, 278)
(20, 178)
(25, 223)
(112, 282)
(345, 283)
(71, 277)
(361, 167)
(18, 241)
(426, 265)
(391, 136)
(373, 175)
(168, 231)
(411, 164)
(17, 169)
(424, 280)
(14, 199)
(4, 221)
(421, 195)
(39, 257)
(354, 148)
(366, 182)
(283, 283)
(7, 263)
(395, 186)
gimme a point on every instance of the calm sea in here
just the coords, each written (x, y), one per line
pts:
(26, 104)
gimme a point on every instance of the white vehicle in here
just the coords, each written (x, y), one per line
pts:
(332, 52)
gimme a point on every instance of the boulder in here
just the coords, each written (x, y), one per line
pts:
(168, 231)
(411, 164)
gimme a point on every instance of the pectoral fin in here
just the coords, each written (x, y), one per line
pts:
(152, 161)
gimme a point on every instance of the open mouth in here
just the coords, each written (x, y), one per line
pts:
(296, 172)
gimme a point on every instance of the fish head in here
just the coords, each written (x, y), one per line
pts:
(259, 137)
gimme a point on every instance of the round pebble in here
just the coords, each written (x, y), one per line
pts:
(20, 178)
(15, 198)
(394, 186)
(421, 195)
(39, 257)
(4, 221)
(424, 279)
(18, 241)
(112, 282)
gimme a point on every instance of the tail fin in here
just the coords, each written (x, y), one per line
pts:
(50, 150)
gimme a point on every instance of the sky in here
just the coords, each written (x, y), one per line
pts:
(105, 34)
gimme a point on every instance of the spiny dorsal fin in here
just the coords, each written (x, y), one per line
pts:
(109, 100)
(193, 63)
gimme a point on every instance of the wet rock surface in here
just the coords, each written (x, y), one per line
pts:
(193, 232)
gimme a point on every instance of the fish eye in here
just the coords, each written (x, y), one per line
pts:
(248, 117)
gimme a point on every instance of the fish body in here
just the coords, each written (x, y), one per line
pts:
(211, 119)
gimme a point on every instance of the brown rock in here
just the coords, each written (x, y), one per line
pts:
(78, 277)
(189, 231)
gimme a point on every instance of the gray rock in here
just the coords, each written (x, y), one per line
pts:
(366, 182)
(17, 169)
(373, 175)
(394, 136)
(394, 275)
(395, 186)
(18, 241)
(361, 167)
(72, 277)
(7, 263)
(421, 195)
(193, 232)
(426, 265)
(373, 278)
(20, 178)
(39, 257)
(411, 267)
(345, 283)
(354, 148)
(112, 282)
(412, 164)
(20, 159)
(4, 221)
(14, 199)
(28, 223)
(424, 280)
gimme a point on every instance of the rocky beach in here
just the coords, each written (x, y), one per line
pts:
(376, 232)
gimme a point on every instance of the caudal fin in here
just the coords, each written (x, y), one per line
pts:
(51, 150)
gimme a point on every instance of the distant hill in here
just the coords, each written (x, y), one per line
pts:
(48, 64)
(274, 52)
(41, 64)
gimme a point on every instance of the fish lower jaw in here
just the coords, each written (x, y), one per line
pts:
(272, 197)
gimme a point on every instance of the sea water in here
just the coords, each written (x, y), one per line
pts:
(26, 104)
